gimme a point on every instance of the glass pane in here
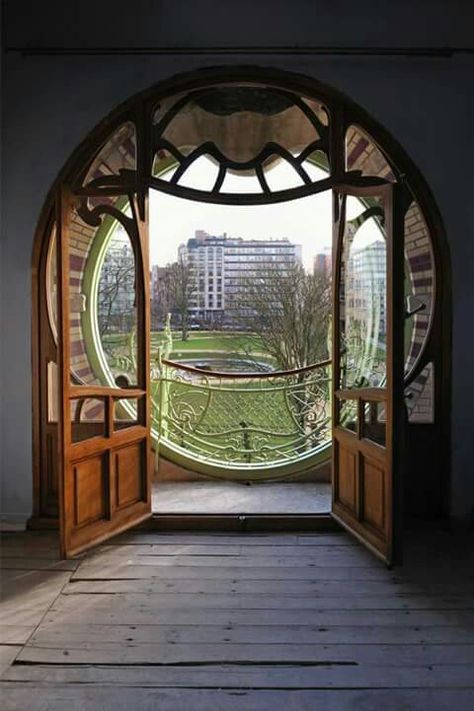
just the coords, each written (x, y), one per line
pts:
(274, 171)
(348, 414)
(117, 154)
(103, 313)
(87, 419)
(117, 310)
(125, 413)
(81, 238)
(164, 165)
(375, 421)
(51, 283)
(241, 183)
(243, 128)
(362, 301)
(419, 284)
(419, 397)
(201, 174)
(362, 154)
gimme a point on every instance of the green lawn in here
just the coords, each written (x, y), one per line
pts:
(210, 341)
(198, 345)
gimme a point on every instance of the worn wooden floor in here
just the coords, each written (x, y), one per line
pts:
(183, 622)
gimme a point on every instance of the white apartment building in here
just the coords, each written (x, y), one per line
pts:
(221, 265)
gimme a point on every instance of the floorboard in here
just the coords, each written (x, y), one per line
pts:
(184, 621)
(80, 697)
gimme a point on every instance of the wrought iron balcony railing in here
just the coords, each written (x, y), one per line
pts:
(243, 420)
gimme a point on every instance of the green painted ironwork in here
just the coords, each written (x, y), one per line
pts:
(244, 420)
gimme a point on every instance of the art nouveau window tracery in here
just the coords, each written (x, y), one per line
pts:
(240, 129)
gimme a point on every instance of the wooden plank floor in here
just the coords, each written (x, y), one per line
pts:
(226, 622)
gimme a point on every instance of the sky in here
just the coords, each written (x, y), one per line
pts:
(307, 221)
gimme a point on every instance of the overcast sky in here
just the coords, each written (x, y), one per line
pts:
(306, 221)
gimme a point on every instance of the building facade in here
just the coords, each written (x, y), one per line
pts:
(366, 290)
(223, 266)
(322, 263)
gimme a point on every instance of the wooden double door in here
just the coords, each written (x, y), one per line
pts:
(105, 443)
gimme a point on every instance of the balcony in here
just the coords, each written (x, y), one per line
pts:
(242, 426)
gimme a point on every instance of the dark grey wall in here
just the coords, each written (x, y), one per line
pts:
(51, 102)
(204, 23)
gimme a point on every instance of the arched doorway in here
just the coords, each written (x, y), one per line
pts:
(150, 143)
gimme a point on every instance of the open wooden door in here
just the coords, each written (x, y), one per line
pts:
(105, 474)
(367, 350)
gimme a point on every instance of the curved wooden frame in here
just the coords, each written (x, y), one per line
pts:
(343, 113)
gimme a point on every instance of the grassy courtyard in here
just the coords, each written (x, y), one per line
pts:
(199, 345)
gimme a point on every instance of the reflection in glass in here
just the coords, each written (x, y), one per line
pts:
(87, 419)
(116, 307)
(51, 283)
(363, 155)
(116, 155)
(419, 397)
(243, 130)
(348, 414)
(419, 284)
(241, 120)
(125, 413)
(164, 165)
(81, 237)
(375, 420)
(362, 302)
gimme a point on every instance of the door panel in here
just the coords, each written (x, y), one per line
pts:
(90, 490)
(347, 481)
(129, 474)
(368, 364)
(105, 478)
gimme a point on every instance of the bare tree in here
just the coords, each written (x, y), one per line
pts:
(286, 313)
(181, 286)
(116, 293)
(161, 304)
